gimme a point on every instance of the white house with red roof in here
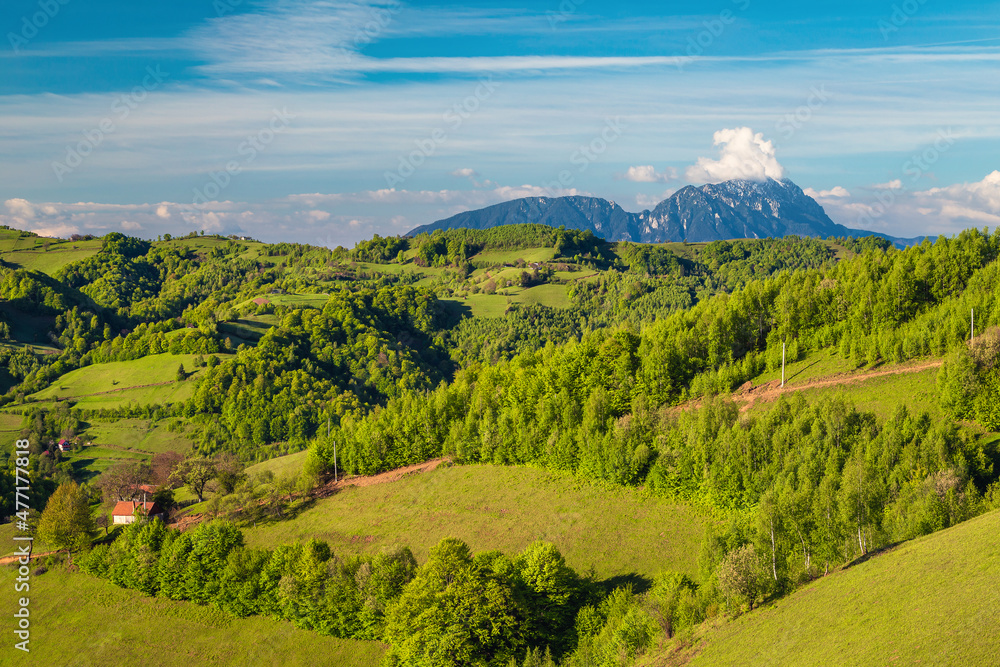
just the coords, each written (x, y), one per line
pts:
(125, 511)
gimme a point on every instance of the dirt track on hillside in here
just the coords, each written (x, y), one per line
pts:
(331, 487)
(771, 390)
(750, 395)
(7, 560)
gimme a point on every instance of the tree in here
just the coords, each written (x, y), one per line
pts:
(66, 522)
(743, 577)
(958, 384)
(195, 472)
(453, 613)
(229, 471)
(163, 466)
(164, 497)
(669, 594)
(122, 481)
(181, 373)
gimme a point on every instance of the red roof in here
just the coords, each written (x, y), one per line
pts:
(127, 508)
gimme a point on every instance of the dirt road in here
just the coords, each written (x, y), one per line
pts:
(771, 390)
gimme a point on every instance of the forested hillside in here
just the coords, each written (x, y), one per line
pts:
(620, 365)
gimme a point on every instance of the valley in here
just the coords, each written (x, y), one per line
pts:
(514, 394)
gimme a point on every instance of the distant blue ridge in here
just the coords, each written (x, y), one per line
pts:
(731, 210)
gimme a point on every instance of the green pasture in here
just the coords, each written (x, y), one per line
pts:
(281, 466)
(931, 601)
(121, 382)
(616, 531)
(81, 621)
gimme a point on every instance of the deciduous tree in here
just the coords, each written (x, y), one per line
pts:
(66, 522)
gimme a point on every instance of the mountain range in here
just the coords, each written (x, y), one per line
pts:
(729, 210)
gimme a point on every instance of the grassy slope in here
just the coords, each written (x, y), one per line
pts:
(934, 600)
(881, 395)
(128, 440)
(80, 620)
(128, 379)
(9, 547)
(140, 435)
(618, 532)
(282, 466)
(917, 391)
(114, 376)
(43, 254)
(554, 296)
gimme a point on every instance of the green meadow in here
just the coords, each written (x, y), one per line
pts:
(123, 382)
(282, 466)
(79, 620)
(933, 600)
(618, 532)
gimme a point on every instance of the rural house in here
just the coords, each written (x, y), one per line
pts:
(124, 512)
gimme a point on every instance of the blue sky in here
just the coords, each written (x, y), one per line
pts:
(325, 122)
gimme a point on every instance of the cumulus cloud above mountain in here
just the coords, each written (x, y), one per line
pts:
(743, 155)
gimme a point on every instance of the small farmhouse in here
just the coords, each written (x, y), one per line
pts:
(64, 446)
(125, 511)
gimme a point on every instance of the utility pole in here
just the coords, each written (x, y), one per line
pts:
(335, 480)
(782, 363)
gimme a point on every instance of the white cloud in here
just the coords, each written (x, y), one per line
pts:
(743, 155)
(60, 230)
(896, 184)
(647, 202)
(327, 37)
(838, 192)
(320, 219)
(21, 208)
(984, 194)
(648, 174)
(163, 212)
(464, 173)
(897, 211)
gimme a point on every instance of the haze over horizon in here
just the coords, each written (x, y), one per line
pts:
(326, 122)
